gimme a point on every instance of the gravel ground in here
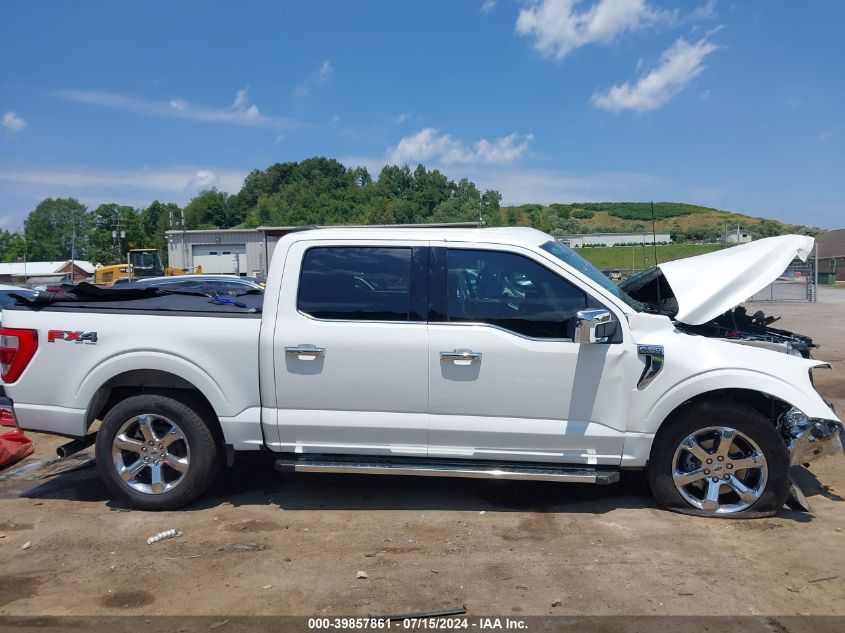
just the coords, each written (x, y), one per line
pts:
(261, 544)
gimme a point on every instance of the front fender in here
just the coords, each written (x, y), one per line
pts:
(799, 393)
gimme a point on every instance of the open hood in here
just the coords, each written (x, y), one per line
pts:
(698, 289)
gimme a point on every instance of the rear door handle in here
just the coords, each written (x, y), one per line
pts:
(461, 356)
(306, 352)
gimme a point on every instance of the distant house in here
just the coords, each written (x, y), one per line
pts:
(34, 273)
(831, 247)
(735, 237)
(577, 240)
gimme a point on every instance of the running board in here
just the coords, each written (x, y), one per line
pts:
(449, 468)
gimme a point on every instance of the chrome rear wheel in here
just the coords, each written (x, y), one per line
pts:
(151, 454)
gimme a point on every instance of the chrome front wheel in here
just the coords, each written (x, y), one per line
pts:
(151, 454)
(719, 470)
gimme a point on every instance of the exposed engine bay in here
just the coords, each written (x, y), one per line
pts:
(737, 325)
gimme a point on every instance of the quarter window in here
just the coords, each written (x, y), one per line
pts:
(510, 291)
(356, 283)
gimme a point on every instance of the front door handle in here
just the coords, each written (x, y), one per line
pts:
(461, 356)
(306, 352)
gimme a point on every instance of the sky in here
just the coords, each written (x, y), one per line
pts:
(735, 105)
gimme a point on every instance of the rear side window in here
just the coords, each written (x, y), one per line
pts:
(510, 291)
(356, 283)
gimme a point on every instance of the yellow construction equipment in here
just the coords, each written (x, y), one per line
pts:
(140, 264)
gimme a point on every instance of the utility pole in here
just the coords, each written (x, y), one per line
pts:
(72, 253)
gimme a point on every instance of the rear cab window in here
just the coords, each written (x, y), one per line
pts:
(356, 283)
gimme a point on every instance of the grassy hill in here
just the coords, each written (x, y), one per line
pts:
(686, 222)
(626, 258)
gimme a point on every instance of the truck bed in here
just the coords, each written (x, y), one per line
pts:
(87, 298)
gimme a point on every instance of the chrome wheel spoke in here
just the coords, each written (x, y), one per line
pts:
(145, 422)
(174, 435)
(156, 478)
(696, 449)
(125, 443)
(746, 494)
(684, 479)
(128, 473)
(726, 438)
(752, 461)
(179, 464)
(711, 498)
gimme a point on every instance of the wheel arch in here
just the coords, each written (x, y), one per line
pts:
(150, 381)
(765, 393)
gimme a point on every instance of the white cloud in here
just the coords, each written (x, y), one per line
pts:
(178, 180)
(487, 6)
(558, 27)
(13, 122)
(678, 66)
(399, 119)
(825, 136)
(545, 186)
(241, 112)
(705, 11)
(319, 76)
(430, 144)
(326, 71)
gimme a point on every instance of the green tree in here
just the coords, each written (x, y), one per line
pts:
(208, 210)
(50, 227)
(12, 246)
(105, 221)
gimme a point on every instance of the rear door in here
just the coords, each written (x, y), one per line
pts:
(505, 381)
(351, 347)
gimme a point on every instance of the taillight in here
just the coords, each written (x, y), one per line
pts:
(17, 347)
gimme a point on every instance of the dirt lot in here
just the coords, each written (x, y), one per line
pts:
(260, 544)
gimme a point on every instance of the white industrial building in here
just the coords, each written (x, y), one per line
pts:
(577, 240)
(244, 252)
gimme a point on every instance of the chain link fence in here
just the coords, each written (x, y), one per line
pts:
(797, 283)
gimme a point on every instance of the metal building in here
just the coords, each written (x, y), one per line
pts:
(232, 251)
(244, 252)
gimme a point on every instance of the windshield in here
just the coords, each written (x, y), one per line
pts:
(574, 260)
(145, 263)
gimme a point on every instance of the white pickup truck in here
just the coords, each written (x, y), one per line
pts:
(438, 352)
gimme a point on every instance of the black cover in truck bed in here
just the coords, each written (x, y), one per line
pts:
(147, 300)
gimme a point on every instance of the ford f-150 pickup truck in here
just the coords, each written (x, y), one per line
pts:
(438, 352)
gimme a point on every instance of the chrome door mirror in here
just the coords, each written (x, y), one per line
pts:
(593, 326)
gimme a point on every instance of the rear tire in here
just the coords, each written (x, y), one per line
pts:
(157, 452)
(719, 460)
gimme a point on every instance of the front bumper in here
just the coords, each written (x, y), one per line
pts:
(809, 439)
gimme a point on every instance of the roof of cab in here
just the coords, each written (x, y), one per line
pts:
(516, 235)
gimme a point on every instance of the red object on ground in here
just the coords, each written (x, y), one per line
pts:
(14, 446)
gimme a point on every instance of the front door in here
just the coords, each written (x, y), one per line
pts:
(350, 348)
(505, 381)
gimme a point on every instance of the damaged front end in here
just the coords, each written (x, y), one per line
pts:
(808, 439)
(739, 327)
(735, 325)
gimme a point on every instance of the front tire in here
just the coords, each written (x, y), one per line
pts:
(719, 460)
(156, 452)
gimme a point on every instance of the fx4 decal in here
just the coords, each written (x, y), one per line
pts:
(76, 337)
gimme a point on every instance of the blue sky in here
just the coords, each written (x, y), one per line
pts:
(738, 105)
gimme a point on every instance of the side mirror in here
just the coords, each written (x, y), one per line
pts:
(593, 326)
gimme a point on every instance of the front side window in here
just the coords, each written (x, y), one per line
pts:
(509, 291)
(356, 283)
(573, 259)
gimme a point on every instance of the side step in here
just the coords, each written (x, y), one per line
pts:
(447, 468)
